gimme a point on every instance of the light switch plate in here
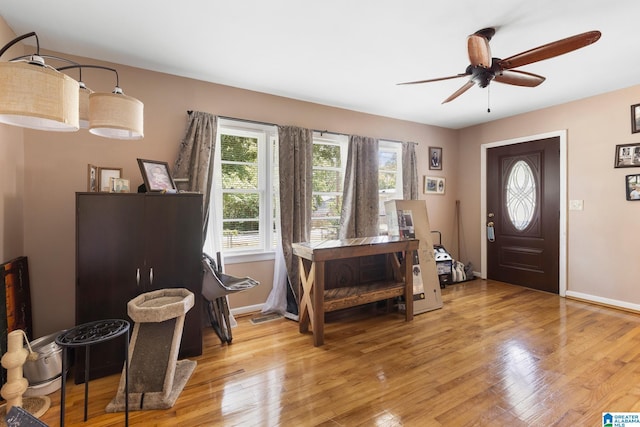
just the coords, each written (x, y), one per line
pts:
(576, 205)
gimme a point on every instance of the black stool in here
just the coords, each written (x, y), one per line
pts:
(86, 335)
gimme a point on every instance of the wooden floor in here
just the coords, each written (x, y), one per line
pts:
(495, 355)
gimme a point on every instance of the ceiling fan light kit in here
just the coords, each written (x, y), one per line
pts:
(484, 68)
(37, 96)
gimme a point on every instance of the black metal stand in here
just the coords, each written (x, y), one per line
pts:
(86, 335)
(218, 310)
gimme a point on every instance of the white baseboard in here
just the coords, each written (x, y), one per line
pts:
(604, 301)
(246, 309)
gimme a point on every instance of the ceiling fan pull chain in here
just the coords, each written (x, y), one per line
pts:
(488, 99)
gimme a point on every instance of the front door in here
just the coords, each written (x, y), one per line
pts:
(523, 214)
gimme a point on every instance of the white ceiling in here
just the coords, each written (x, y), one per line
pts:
(349, 53)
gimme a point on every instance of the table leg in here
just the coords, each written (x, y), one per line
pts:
(317, 298)
(408, 282)
(306, 286)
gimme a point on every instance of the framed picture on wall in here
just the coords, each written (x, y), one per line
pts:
(627, 156)
(104, 175)
(435, 158)
(632, 187)
(434, 185)
(635, 118)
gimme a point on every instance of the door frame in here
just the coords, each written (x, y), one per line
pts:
(562, 135)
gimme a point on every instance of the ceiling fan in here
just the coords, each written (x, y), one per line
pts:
(483, 68)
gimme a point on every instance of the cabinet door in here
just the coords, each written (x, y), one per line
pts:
(108, 254)
(173, 227)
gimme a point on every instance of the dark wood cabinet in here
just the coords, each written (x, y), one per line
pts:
(128, 244)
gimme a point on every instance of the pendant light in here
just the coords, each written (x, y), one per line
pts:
(115, 115)
(35, 95)
(111, 115)
(83, 103)
(38, 96)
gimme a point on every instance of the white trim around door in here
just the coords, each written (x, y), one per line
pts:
(562, 134)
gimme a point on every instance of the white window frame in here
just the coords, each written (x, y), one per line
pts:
(338, 140)
(266, 135)
(267, 148)
(396, 147)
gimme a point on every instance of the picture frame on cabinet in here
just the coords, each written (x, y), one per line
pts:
(632, 187)
(105, 174)
(118, 185)
(635, 118)
(435, 158)
(156, 175)
(627, 156)
(92, 178)
(434, 185)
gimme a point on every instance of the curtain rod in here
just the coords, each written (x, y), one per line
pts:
(248, 121)
(346, 134)
(241, 120)
(274, 124)
(329, 132)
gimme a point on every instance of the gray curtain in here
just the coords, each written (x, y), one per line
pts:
(359, 216)
(410, 183)
(295, 158)
(195, 159)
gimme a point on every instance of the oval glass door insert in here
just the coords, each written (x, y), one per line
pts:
(520, 195)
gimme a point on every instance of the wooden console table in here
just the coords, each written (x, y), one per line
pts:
(337, 274)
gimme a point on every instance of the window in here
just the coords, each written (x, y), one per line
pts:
(520, 195)
(242, 188)
(329, 163)
(389, 177)
(244, 180)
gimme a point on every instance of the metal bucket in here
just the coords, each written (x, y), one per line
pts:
(48, 366)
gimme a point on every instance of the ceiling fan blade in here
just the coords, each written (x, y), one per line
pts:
(519, 78)
(459, 92)
(550, 50)
(434, 80)
(479, 50)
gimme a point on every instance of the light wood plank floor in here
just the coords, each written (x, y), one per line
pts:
(495, 355)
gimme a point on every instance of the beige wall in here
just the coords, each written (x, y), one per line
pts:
(602, 254)
(11, 176)
(56, 168)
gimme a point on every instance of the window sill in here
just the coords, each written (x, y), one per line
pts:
(239, 258)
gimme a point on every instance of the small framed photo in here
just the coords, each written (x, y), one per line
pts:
(435, 158)
(627, 156)
(434, 185)
(92, 178)
(118, 185)
(156, 175)
(632, 187)
(104, 174)
(635, 118)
